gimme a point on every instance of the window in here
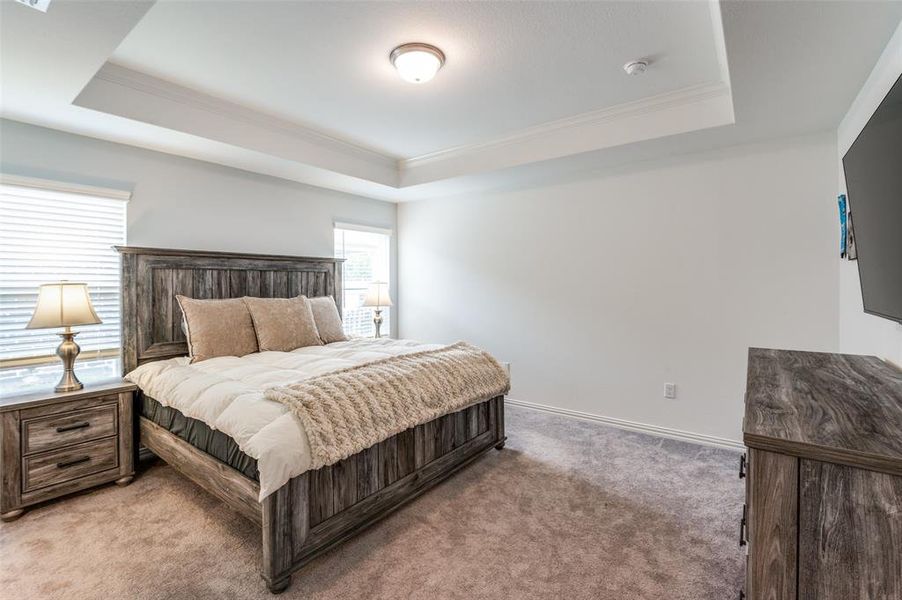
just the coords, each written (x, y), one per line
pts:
(367, 251)
(51, 232)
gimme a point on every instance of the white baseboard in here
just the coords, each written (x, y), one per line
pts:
(676, 434)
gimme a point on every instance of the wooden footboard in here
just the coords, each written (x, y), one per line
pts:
(320, 509)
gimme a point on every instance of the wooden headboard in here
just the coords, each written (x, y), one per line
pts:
(152, 277)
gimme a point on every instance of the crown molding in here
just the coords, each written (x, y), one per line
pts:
(123, 76)
(680, 111)
(636, 108)
(720, 41)
(128, 93)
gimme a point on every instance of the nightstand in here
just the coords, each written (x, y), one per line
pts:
(55, 444)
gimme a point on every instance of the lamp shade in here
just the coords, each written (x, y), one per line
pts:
(63, 304)
(377, 296)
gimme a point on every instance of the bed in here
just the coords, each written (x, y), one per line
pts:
(317, 509)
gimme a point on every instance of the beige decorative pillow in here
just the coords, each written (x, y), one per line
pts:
(328, 322)
(283, 324)
(217, 328)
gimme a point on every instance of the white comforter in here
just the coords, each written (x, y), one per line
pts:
(226, 393)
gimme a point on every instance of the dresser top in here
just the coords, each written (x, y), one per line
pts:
(18, 402)
(838, 408)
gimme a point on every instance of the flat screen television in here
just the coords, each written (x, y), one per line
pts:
(873, 167)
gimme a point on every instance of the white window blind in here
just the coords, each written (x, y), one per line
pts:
(367, 251)
(51, 232)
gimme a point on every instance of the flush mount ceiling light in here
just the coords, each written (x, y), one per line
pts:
(417, 63)
(635, 67)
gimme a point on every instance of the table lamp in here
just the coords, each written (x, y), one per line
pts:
(64, 304)
(377, 297)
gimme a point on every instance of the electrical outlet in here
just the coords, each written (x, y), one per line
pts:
(670, 390)
(507, 367)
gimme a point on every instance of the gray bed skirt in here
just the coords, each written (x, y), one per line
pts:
(197, 433)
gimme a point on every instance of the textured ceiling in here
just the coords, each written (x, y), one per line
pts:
(509, 65)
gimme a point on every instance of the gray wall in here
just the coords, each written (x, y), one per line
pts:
(184, 203)
(597, 290)
(601, 290)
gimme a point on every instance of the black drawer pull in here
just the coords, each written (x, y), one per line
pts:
(74, 461)
(743, 466)
(73, 426)
(742, 532)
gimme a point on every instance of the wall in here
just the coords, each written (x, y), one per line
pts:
(600, 291)
(184, 203)
(860, 333)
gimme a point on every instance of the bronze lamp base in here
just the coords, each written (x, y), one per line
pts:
(68, 351)
(377, 320)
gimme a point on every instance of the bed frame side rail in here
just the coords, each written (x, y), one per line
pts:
(234, 489)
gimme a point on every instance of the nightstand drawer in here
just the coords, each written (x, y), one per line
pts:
(65, 429)
(54, 467)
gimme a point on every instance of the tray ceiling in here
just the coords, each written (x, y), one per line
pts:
(305, 91)
(509, 66)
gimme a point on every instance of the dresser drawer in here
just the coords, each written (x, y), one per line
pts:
(65, 429)
(69, 463)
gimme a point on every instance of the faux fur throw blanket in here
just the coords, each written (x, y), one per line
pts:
(346, 411)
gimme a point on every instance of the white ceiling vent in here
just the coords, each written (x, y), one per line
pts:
(41, 5)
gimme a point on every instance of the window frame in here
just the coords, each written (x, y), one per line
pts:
(388, 312)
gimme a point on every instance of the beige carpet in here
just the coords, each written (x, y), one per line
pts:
(568, 510)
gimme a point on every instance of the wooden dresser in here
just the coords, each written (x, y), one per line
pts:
(54, 444)
(823, 518)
